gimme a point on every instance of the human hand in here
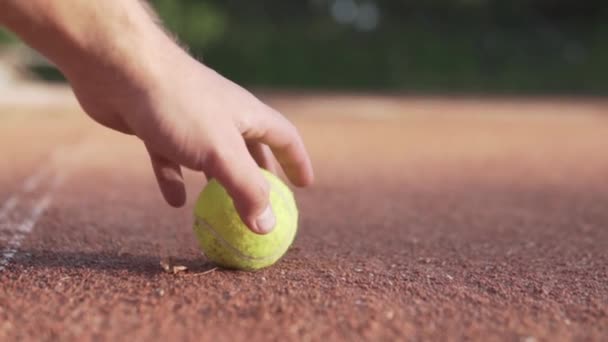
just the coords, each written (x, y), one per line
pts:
(188, 115)
(130, 76)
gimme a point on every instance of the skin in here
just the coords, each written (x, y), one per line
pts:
(129, 75)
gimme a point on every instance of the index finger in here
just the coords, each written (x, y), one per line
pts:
(274, 130)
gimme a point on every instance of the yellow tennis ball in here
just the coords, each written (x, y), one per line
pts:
(227, 241)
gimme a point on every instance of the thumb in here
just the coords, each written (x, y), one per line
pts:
(236, 170)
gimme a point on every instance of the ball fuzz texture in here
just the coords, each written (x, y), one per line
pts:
(227, 241)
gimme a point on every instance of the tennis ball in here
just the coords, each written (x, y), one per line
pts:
(228, 242)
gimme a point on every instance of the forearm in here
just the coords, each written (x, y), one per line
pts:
(76, 34)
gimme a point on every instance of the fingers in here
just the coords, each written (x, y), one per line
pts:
(276, 131)
(237, 171)
(170, 179)
(263, 156)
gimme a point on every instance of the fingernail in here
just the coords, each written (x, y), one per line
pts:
(266, 221)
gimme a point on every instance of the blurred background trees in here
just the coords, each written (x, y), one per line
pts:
(434, 46)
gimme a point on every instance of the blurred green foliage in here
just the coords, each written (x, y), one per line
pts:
(6, 37)
(436, 46)
(431, 46)
(200, 23)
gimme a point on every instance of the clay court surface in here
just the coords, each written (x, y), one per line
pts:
(431, 219)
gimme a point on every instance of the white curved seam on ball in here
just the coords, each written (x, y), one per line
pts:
(284, 198)
(202, 222)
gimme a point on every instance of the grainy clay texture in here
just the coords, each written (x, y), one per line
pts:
(431, 219)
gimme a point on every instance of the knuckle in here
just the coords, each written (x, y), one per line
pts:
(256, 200)
(212, 161)
(291, 127)
(294, 134)
(250, 198)
(243, 122)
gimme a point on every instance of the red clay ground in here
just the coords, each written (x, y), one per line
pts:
(431, 220)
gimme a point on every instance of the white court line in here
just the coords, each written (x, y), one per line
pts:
(29, 185)
(34, 180)
(8, 205)
(23, 230)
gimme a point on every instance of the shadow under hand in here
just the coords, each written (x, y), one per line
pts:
(148, 265)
